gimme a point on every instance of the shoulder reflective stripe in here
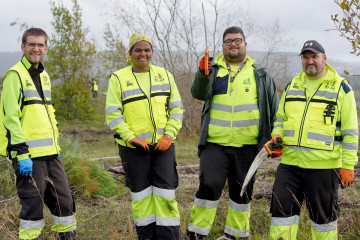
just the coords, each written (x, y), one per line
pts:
(40, 142)
(129, 100)
(353, 132)
(246, 107)
(112, 109)
(160, 94)
(350, 146)
(320, 137)
(239, 207)
(165, 193)
(246, 123)
(137, 196)
(28, 224)
(163, 87)
(178, 116)
(324, 227)
(295, 93)
(326, 94)
(175, 104)
(31, 93)
(144, 136)
(168, 221)
(145, 221)
(116, 121)
(132, 92)
(289, 133)
(205, 203)
(64, 220)
(295, 99)
(279, 119)
(221, 123)
(221, 107)
(161, 131)
(304, 149)
(200, 230)
(47, 93)
(235, 232)
(279, 125)
(287, 221)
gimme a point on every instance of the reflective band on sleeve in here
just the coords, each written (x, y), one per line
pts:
(64, 220)
(239, 207)
(31, 93)
(112, 109)
(246, 107)
(205, 203)
(144, 136)
(132, 92)
(324, 227)
(28, 224)
(178, 116)
(245, 123)
(277, 221)
(326, 94)
(167, 221)
(165, 193)
(221, 123)
(144, 221)
(221, 107)
(279, 125)
(289, 133)
(320, 137)
(163, 87)
(350, 146)
(295, 93)
(40, 142)
(175, 104)
(137, 196)
(161, 131)
(279, 119)
(116, 121)
(47, 93)
(200, 230)
(234, 232)
(353, 132)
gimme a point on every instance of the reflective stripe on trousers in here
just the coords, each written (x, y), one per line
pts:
(238, 219)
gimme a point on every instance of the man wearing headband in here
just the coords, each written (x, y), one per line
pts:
(144, 108)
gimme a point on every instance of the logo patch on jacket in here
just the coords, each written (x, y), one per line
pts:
(247, 81)
(129, 83)
(159, 78)
(296, 86)
(330, 85)
(28, 83)
(46, 80)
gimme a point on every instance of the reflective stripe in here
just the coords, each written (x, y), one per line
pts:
(161, 131)
(237, 233)
(279, 119)
(246, 123)
(337, 143)
(277, 221)
(47, 93)
(279, 125)
(221, 107)
(131, 92)
(350, 146)
(145, 221)
(167, 221)
(28, 224)
(162, 87)
(246, 107)
(31, 93)
(239, 207)
(64, 220)
(200, 230)
(289, 133)
(320, 137)
(353, 132)
(295, 93)
(144, 136)
(165, 193)
(137, 196)
(221, 123)
(324, 227)
(40, 142)
(116, 121)
(326, 94)
(112, 109)
(205, 203)
(178, 116)
(304, 149)
(175, 104)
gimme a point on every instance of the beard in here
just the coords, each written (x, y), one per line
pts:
(235, 58)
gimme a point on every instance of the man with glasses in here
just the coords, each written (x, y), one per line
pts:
(240, 107)
(29, 137)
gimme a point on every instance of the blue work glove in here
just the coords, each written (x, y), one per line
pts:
(26, 167)
(60, 158)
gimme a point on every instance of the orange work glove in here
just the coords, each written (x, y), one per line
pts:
(276, 142)
(164, 143)
(347, 177)
(138, 143)
(202, 65)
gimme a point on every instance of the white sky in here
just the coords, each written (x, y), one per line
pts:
(304, 20)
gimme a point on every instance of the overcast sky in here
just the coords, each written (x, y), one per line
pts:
(304, 20)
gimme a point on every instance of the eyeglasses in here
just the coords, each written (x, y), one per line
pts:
(33, 45)
(237, 41)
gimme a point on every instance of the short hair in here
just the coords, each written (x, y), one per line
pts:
(34, 32)
(233, 30)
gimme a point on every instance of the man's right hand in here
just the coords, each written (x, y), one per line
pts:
(202, 64)
(26, 167)
(138, 143)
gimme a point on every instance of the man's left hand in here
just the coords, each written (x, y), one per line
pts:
(347, 177)
(164, 143)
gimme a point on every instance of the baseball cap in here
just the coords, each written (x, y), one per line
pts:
(313, 46)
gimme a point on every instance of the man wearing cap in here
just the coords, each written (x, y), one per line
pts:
(144, 108)
(317, 120)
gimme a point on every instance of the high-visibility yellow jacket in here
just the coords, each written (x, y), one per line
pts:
(94, 86)
(319, 131)
(28, 127)
(130, 112)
